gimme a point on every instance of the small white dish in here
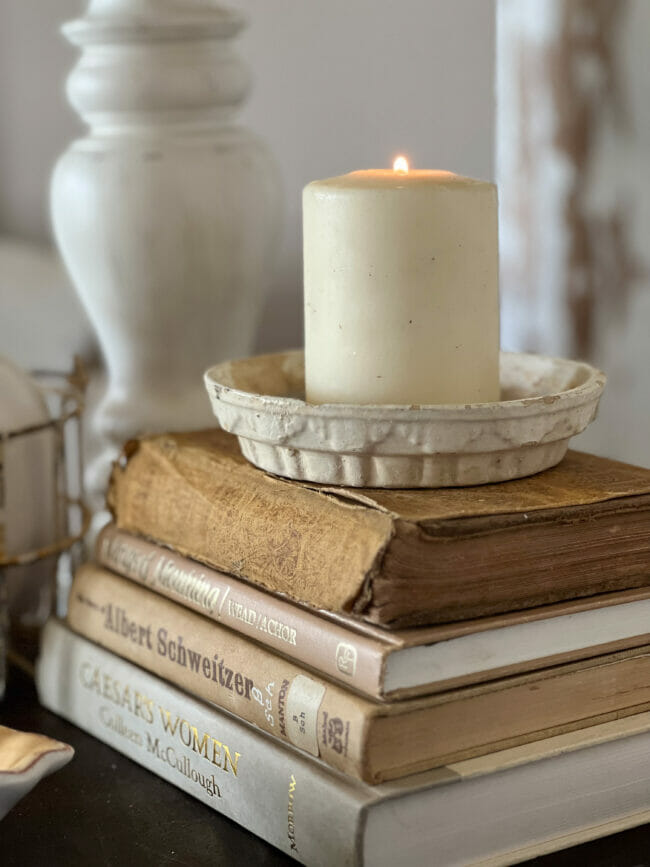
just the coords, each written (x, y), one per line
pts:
(545, 401)
(25, 758)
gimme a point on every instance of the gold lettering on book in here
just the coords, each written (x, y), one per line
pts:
(117, 620)
(115, 722)
(124, 559)
(291, 819)
(183, 765)
(282, 700)
(192, 585)
(261, 622)
(126, 698)
(193, 660)
(122, 695)
(346, 658)
(210, 748)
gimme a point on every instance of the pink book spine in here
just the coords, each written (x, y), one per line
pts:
(355, 660)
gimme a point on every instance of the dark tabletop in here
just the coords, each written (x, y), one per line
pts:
(104, 810)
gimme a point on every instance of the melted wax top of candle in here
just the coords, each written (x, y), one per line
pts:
(391, 179)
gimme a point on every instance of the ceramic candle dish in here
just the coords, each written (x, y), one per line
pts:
(544, 402)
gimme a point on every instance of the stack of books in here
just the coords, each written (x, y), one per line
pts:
(370, 676)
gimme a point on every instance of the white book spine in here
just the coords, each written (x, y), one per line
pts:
(309, 812)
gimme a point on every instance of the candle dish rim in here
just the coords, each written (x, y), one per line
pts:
(584, 392)
(400, 446)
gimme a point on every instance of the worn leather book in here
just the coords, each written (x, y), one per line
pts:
(494, 811)
(392, 557)
(387, 663)
(373, 741)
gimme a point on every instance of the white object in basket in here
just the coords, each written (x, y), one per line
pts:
(25, 758)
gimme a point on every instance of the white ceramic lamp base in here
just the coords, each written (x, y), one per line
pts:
(165, 213)
(544, 402)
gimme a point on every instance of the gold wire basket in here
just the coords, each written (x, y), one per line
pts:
(64, 395)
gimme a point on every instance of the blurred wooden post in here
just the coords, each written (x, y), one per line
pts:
(573, 154)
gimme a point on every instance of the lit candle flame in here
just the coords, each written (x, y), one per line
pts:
(401, 164)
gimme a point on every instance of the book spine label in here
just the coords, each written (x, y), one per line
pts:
(221, 666)
(354, 660)
(297, 805)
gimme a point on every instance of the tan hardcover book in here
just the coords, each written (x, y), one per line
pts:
(370, 740)
(393, 557)
(382, 663)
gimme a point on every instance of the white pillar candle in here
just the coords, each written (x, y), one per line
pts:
(401, 289)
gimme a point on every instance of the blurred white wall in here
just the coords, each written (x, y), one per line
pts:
(338, 85)
(35, 120)
(347, 84)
